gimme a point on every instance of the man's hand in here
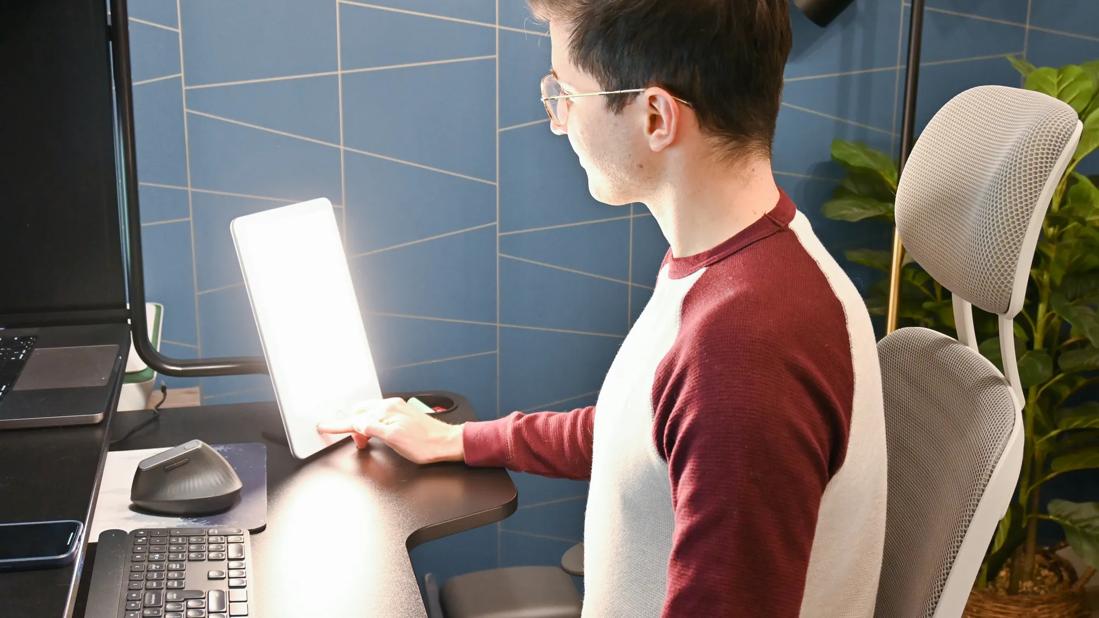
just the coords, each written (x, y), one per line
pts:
(413, 434)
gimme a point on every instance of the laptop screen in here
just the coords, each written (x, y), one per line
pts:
(60, 230)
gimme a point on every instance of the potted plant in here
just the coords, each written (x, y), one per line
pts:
(1057, 339)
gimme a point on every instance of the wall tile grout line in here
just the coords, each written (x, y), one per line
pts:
(414, 65)
(428, 318)
(421, 241)
(564, 269)
(563, 225)
(552, 502)
(339, 100)
(164, 222)
(231, 286)
(564, 331)
(801, 78)
(523, 125)
(893, 141)
(429, 168)
(145, 22)
(1072, 35)
(837, 118)
(523, 31)
(936, 63)
(542, 406)
(541, 536)
(1026, 38)
(187, 161)
(1003, 22)
(390, 9)
(435, 361)
(262, 80)
(180, 344)
(154, 80)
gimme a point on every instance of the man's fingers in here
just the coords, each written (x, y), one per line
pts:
(360, 440)
(343, 425)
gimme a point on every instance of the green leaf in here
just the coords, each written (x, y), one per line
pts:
(1084, 416)
(1079, 460)
(1089, 138)
(990, 349)
(860, 156)
(857, 209)
(1035, 367)
(1084, 321)
(1080, 521)
(868, 184)
(871, 258)
(1080, 287)
(1071, 84)
(1080, 359)
(1022, 66)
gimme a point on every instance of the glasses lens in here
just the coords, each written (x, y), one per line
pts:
(551, 89)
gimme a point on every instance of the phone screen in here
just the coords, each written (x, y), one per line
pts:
(37, 539)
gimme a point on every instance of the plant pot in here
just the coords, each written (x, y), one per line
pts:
(991, 604)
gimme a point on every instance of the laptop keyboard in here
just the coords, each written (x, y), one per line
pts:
(14, 352)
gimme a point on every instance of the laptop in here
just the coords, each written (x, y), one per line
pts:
(296, 274)
(63, 330)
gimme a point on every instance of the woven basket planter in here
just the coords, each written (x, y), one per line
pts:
(990, 604)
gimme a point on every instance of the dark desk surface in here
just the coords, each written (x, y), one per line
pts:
(339, 525)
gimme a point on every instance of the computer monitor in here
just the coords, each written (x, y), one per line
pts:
(60, 232)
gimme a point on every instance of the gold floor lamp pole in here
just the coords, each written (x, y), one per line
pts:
(908, 125)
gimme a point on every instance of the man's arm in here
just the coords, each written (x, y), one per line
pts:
(750, 450)
(557, 444)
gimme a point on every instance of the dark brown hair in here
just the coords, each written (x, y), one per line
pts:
(725, 57)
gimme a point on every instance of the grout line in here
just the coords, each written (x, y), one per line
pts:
(221, 289)
(975, 16)
(440, 360)
(893, 141)
(563, 331)
(499, 394)
(412, 65)
(845, 120)
(157, 79)
(629, 276)
(523, 31)
(804, 176)
(261, 128)
(936, 63)
(541, 536)
(421, 240)
(158, 185)
(248, 195)
(563, 225)
(564, 269)
(165, 222)
(190, 193)
(180, 344)
(146, 22)
(543, 406)
(339, 99)
(419, 165)
(1026, 39)
(262, 80)
(390, 9)
(845, 73)
(429, 318)
(1064, 33)
(552, 502)
(522, 125)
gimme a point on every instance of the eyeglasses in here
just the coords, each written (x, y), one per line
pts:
(556, 99)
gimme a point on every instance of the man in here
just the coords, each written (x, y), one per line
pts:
(736, 451)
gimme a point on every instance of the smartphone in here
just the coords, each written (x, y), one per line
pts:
(39, 544)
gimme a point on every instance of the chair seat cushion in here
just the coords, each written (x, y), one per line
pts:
(514, 592)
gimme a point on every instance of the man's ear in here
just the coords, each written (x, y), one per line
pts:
(662, 118)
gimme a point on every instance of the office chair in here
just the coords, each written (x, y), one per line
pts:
(969, 209)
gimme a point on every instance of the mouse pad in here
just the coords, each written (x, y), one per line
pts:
(113, 511)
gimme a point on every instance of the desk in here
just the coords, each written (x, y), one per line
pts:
(339, 525)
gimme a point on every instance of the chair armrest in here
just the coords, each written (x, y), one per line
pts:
(573, 560)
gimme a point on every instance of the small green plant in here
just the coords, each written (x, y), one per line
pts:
(1057, 333)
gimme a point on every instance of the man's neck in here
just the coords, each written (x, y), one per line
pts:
(700, 206)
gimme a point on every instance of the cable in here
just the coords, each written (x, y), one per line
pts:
(153, 418)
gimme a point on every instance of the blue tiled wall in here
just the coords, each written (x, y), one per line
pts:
(482, 264)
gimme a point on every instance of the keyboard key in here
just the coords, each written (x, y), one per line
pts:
(224, 531)
(236, 573)
(159, 540)
(173, 615)
(236, 564)
(176, 548)
(176, 575)
(237, 595)
(177, 566)
(177, 539)
(157, 557)
(156, 566)
(152, 611)
(196, 613)
(153, 598)
(137, 577)
(188, 532)
(140, 533)
(235, 539)
(183, 595)
(137, 567)
(134, 614)
(133, 595)
(176, 606)
(215, 601)
(236, 551)
(196, 556)
(196, 604)
(132, 605)
(196, 547)
(221, 539)
(238, 609)
(141, 541)
(238, 582)
(178, 555)
(158, 532)
(217, 546)
(154, 585)
(137, 557)
(154, 575)
(212, 575)
(217, 555)
(135, 586)
(175, 584)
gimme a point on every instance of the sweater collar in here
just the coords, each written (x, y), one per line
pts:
(775, 220)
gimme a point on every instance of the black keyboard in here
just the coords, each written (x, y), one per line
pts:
(172, 573)
(13, 355)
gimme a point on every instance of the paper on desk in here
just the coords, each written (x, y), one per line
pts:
(112, 508)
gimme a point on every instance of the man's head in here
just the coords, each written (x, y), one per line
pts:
(724, 58)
